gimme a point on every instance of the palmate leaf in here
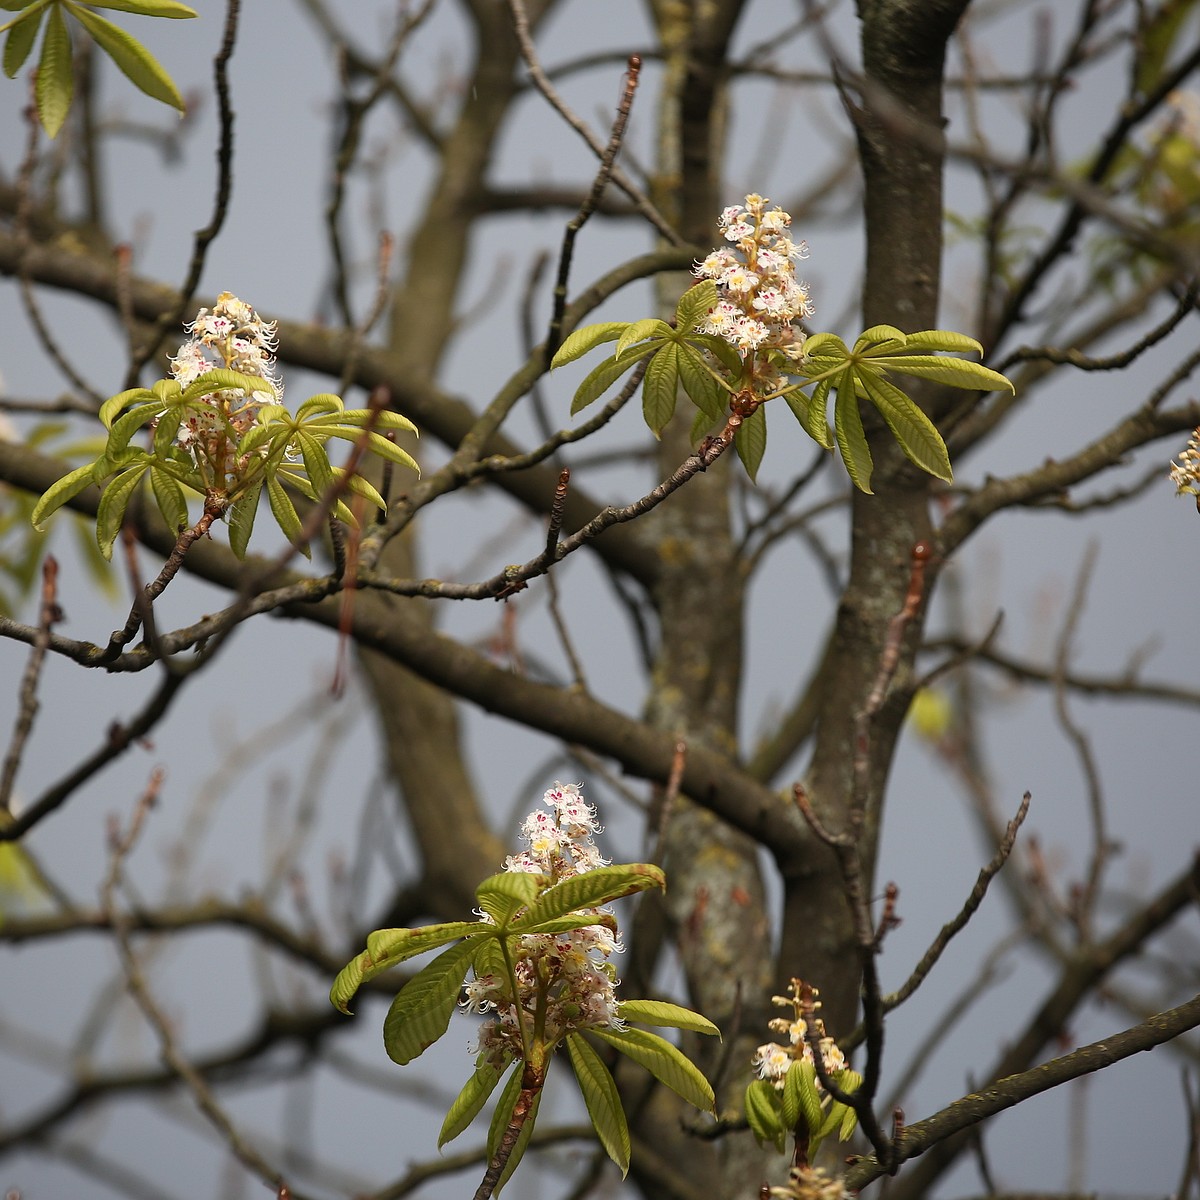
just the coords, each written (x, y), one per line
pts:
(60, 492)
(420, 1014)
(55, 80)
(602, 1100)
(750, 441)
(502, 896)
(702, 389)
(22, 33)
(387, 948)
(114, 501)
(147, 8)
(915, 433)
(577, 344)
(694, 304)
(810, 412)
(952, 372)
(764, 1115)
(591, 889)
(138, 65)
(659, 388)
(638, 331)
(241, 517)
(468, 1103)
(801, 1097)
(168, 495)
(665, 1062)
(848, 429)
(602, 377)
(374, 442)
(659, 1012)
(284, 512)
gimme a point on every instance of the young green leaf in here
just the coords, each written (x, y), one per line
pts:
(750, 441)
(763, 1114)
(801, 1097)
(55, 81)
(377, 443)
(58, 493)
(285, 514)
(22, 33)
(421, 1012)
(915, 433)
(588, 338)
(879, 339)
(147, 8)
(168, 495)
(387, 948)
(665, 1062)
(138, 65)
(241, 517)
(638, 331)
(694, 305)
(662, 1014)
(592, 888)
(953, 372)
(468, 1103)
(316, 462)
(502, 896)
(942, 339)
(320, 404)
(702, 389)
(361, 487)
(603, 1102)
(602, 377)
(659, 388)
(848, 429)
(113, 503)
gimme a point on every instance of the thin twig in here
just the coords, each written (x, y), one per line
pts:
(50, 613)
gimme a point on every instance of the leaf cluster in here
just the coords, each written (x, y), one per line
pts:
(55, 74)
(710, 372)
(800, 1108)
(516, 905)
(277, 451)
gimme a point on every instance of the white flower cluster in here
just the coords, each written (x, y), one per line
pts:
(773, 1060)
(761, 298)
(232, 336)
(569, 968)
(1185, 474)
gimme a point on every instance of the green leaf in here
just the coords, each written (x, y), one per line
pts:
(241, 517)
(59, 492)
(694, 304)
(750, 441)
(665, 1062)
(887, 338)
(585, 339)
(285, 514)
(603, 1102)
(384, 419)
(55, 81)
(763, 1114)
(147, 8)
(702, 389)
(801, 1097)
(659, 1012)
(377, 443)
(168, 495)
(421, 1012)
(165, 432)
(660, 387)
(468, 1102)
(139, 66)
(220, 379)
(387, 948)
(360, 487)
(125, 427)
(942, 339)
(113, 503)
(848, 429)
(322, 403)
(915, 433)
(952, 372)
(316, 462)
(638, 331)
(505, 1103)
(22, 33)
(502, 896)
(592, 888)
(602, 377)
(826, 348)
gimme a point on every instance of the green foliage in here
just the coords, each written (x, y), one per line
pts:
(801, 1108)
(521, 909)
(233, 452)
(712, 373)
(55, 78)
